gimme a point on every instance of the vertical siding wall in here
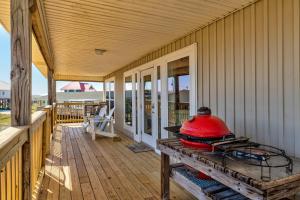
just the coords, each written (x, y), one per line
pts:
(248, 71)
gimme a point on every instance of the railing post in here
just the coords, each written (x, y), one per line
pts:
(50, 87)
(46, 134)
(21, 62)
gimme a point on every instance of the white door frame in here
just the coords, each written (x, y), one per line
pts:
(109, 80)
(127, 127)
(191, 52)
(146, 138)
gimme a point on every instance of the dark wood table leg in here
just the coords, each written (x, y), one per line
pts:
(165, 176)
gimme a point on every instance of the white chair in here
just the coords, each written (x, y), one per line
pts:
(99, 118)
(95, 129)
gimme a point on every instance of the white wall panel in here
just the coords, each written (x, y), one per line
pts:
(249, 73)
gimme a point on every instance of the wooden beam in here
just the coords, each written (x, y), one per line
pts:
(20, 63)
(54, 91)
(41, 32)
(62, 77)
(21, 60)
(50, 87)
(165, 176)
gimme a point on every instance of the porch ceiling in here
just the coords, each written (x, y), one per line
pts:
(127, 29)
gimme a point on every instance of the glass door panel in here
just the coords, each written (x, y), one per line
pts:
(158, 103)
(147, 96)
(128, 101)
(148, 107)
(112, 95)
(178, 91)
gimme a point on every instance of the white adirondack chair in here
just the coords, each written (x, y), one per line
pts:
(98, 127)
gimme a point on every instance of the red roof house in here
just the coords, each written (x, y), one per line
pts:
(78, 87)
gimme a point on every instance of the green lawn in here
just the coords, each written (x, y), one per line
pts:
(4, 121)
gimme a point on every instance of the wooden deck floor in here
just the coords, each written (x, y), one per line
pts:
(79, 168)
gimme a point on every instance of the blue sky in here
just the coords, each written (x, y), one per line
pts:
(39, 82)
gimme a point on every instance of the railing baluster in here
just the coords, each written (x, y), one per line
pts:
(3, 183)
(8, 179)
(13, 177)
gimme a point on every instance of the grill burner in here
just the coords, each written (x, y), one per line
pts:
(210, 134)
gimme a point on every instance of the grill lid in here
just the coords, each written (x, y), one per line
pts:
(205, 125)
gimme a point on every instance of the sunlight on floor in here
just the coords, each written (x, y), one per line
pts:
(67, 177)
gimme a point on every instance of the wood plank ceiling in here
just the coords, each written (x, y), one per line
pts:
(127, 29)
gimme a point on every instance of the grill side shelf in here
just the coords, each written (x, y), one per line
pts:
(233, 183)
(202, 189)
(238, 181)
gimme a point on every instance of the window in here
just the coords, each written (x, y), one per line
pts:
(109, 87)
(128, 100)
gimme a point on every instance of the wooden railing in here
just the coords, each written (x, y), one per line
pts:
(72, 112)
(15, 183)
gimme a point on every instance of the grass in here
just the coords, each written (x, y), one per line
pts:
(4, 121)
(5, 118)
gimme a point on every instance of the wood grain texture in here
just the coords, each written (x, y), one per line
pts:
(165, 176)
(112, 170)
(239, 176)
(21, 60)
(41, 32)
(50, 87)
(20, 63)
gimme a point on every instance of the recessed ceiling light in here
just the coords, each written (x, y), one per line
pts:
(100, 51)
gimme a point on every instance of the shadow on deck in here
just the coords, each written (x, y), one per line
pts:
(79, 168)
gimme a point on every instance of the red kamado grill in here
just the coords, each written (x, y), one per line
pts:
(202, 130)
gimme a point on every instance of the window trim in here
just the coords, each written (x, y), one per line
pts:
(109, 80)
(125, 126)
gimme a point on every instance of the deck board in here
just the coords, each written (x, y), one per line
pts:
(80, 168)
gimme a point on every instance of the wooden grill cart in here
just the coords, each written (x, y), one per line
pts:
(237, 180)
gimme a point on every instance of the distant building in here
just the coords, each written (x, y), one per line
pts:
(4, 90)
(4, 95)
(62, 97)
(78, 87)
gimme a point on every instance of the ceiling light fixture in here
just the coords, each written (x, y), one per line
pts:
(100, 51)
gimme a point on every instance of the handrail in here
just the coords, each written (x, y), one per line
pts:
(38, 117)
(10, 139)
(13, 160)
(72, 112)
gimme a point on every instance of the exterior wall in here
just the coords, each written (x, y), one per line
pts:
(248, 71)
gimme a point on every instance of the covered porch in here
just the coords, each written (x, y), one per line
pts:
(159, 61)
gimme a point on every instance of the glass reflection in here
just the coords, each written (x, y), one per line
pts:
(178, 91)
